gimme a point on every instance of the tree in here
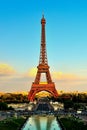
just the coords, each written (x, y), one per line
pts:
(68, 104)
(3, 106)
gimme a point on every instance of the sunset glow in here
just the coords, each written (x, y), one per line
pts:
(66, 40)
(6, 70)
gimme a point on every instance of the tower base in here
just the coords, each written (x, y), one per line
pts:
(42, 87)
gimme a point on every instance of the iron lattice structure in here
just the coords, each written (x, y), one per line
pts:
(42, 68)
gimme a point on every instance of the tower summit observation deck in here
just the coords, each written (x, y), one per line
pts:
(42, 68)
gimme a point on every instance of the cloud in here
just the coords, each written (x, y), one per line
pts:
(31, 73)
(69, 82)
(11, 81)
(6, 70)
(56, 75)
(60, 76)
(63, 76)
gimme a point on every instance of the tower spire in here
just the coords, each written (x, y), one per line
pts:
(43, 15)
(43, 54)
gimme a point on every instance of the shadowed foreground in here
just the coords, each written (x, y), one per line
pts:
(12, 123)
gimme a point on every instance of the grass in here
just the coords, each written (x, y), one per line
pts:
(12, 123)
(73, 124)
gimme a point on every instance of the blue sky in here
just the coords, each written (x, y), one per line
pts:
(66, 38)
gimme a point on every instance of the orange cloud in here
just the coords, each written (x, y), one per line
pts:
(10, 80)
(63, 76)
(31, 73)
(6, 70)
(55, 75)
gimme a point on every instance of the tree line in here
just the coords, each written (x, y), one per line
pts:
(70, 100)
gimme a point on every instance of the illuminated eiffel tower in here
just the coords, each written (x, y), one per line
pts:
(43, 67)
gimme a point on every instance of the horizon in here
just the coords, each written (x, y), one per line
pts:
(66, 42)
(59, 92)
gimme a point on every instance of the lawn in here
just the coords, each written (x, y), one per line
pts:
(12, 123)
(73, 124)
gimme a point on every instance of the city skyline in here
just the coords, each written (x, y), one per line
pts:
(20, 36)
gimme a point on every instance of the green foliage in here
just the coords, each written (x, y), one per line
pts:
(68, 104)
(76, 106)
(20, 98)
(74, 101)
(14, 98)
(73, 124)
(11, 123)
(4, 106)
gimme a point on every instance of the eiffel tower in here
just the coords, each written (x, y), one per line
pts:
(43, 67)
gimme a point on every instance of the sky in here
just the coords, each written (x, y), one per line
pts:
(66, 41)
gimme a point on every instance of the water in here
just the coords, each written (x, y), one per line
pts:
(38, 122)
